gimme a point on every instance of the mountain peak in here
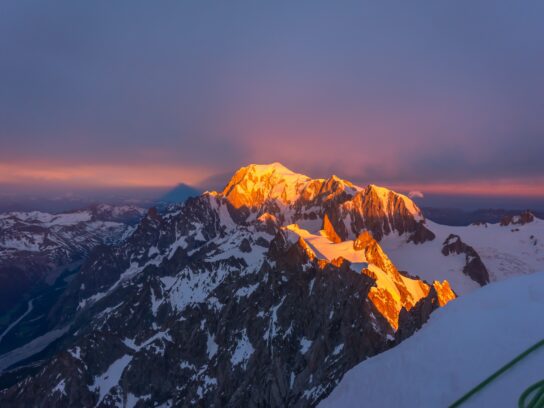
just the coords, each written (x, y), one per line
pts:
(252, 185)
(384, 195)
(294, 197)
(263, 169)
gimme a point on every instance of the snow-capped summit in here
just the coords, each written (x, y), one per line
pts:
(252, 185)
(296, 198)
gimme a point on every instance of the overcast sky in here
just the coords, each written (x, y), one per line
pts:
(437, 96)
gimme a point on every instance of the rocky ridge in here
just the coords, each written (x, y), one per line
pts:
(523, 218)
(474, 267)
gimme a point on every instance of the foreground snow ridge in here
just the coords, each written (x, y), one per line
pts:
(459, 347)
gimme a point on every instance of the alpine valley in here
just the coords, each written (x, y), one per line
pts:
(264, 294)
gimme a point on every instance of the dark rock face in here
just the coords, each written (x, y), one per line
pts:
(524, 218)
(245, 246)
(410, 322)
(14, 281)
(198, 308)
(474, 267)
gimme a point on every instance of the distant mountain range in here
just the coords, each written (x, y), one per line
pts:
(263, 294)
(459, 217)
(35, 247)
(61, 203)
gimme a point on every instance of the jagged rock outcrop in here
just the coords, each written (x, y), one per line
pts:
(395, 292)
(383, 211)
(523, 218)
(474, 267)
(330, 231)
(444, 292)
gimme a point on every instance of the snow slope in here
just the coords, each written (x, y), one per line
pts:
(326, 249)
(460, 346)
(506, 251)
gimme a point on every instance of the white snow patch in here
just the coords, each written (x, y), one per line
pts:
(338, 349)
(162, 335)
(244, 350)
(75, 352)
(271, 332)
(193, 286)
(246, 291)
(152, 251)
(60, 387)
(305, 345)
(214, 303)
(105, 382)
(211, 346)
(311, 289)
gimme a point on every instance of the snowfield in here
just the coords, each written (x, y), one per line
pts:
(461, 345)
(506, 251)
